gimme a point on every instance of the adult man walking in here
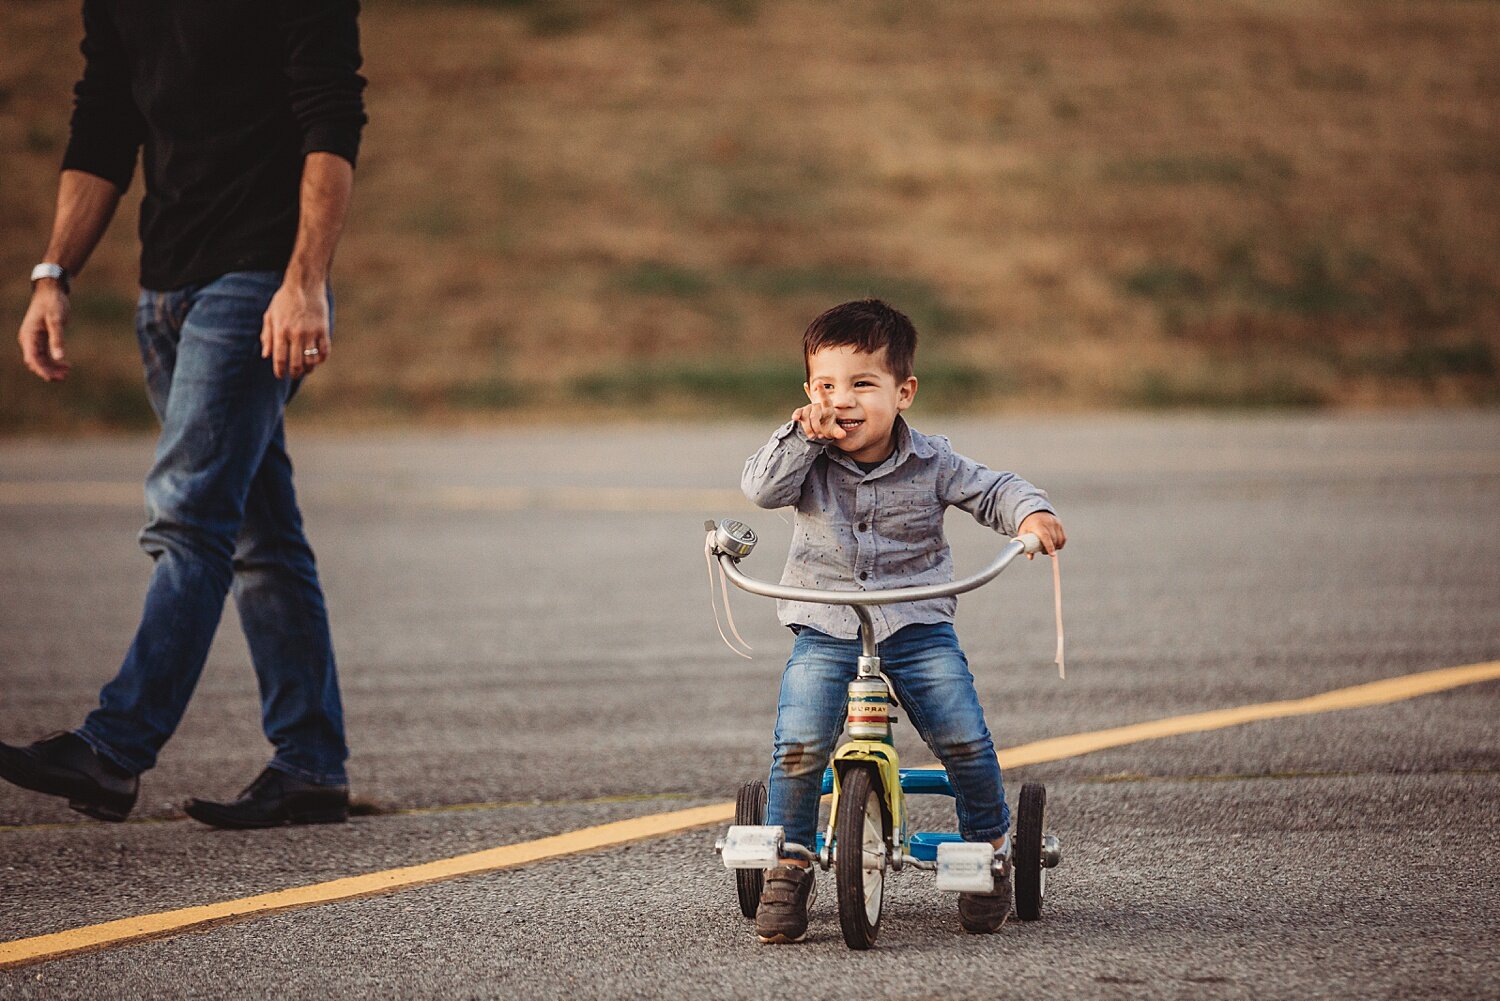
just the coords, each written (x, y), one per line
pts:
(248, 116)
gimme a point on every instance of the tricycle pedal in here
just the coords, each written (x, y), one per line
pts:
(747, 846)
(966, 867)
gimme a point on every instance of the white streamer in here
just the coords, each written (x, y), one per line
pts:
(1062, 671)
(708, 558)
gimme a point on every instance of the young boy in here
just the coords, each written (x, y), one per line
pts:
(870, 494)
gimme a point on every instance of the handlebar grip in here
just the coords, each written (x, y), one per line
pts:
(1032, 543)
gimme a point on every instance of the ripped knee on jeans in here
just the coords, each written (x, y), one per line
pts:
(965, 749)
(800, 759)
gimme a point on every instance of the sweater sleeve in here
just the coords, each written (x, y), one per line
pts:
(106, 130)
(322, 69)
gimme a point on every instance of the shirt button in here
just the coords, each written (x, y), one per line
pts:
(864, 526)
(864, 575)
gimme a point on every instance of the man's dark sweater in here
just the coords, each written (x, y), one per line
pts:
(226, 99)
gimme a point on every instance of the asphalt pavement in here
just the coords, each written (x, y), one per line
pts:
(526, 649)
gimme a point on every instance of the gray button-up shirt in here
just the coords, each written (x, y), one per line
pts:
(868, 531)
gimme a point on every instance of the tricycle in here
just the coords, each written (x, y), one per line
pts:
(868, 833)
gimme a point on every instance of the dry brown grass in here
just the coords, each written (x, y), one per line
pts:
(590, 205)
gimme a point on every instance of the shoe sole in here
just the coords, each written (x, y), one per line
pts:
(214, 818)
(18, 770)
(978, 930)
(780, 939)
(98, 811)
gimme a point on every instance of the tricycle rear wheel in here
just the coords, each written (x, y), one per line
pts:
(750, 809)
(1031, 879)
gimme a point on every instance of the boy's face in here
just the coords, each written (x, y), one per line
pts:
(864, 394)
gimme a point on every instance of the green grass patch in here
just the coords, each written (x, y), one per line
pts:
(490, 394)
(1337, 78)
(1200, 168)
(763, 388)
(437, 220)
(1319, 284)
(88, 398)
(658, 278)
(831, 284)
(1313, 283)
(100, 307)
(1065, 109)
(743, 184)
(1163, 280)
(1428, 361)
(1144, 18)
(111, 400)
(724, 386)
(542, 17)
(1179, 170)
(1223, 391)
(952, 387)
(737, 11)
(43, 139)
(821, 286)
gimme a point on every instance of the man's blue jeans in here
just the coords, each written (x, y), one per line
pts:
(931, 677)
(222, 513)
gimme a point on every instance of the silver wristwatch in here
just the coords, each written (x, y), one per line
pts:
(49, 270)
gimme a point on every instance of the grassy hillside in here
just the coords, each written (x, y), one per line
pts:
(602, 206)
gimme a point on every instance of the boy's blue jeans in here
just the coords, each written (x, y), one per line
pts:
(931, 677)
(222, 513)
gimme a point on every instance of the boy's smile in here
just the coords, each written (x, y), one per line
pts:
(865, 397)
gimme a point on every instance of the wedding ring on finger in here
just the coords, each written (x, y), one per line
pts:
(310, 353)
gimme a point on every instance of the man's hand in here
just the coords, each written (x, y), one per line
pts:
(85, 204)
(818, 419)
(1045, 526)
(294, 331)
(42, 329)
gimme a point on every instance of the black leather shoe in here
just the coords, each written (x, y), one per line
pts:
(275, 799)
(65, 765)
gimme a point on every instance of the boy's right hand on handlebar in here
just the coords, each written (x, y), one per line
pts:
(1045, 526)
(818, 419)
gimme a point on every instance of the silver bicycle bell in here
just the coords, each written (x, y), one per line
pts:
(732, 537)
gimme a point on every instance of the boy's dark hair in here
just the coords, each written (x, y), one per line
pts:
(867, 325)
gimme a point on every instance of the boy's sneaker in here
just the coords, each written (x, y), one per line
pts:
(784, 903)
(983, 913)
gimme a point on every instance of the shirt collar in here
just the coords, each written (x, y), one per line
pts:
(909, 443)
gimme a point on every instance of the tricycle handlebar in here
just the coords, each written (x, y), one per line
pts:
(1022, 545)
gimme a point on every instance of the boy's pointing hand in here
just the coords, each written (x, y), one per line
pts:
(818, 419)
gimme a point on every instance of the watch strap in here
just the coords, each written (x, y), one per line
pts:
(56, 272)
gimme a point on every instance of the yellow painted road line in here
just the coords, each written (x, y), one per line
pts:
(1375, 693)
(112, 933)
(91, 937)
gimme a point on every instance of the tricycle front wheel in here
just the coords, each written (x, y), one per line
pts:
(859, 857)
